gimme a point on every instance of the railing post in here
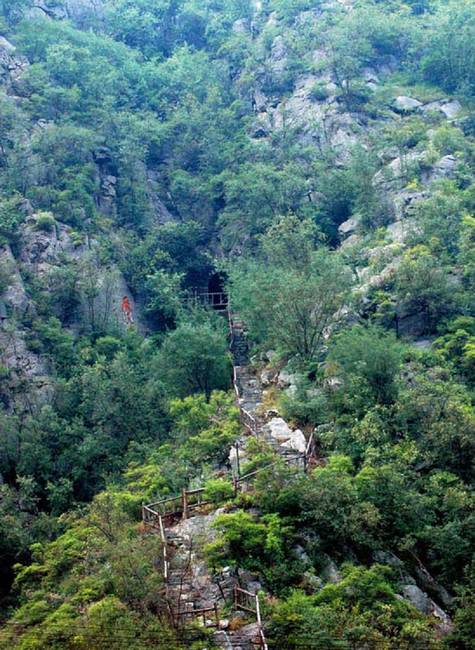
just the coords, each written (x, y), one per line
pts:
(238, 461)
(235, 485)
(184, 501)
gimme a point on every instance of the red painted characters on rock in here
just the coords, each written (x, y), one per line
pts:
(127, 310)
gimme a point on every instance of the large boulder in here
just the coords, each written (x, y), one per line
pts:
(278, 429)
(296, 442)
(443, 168)
(421, 601)
(448, 108)
(348, 227)
(286, 379)
(404, 104)
(400, 230)
(418, 598)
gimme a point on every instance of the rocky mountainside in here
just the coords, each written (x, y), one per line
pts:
(235, 234)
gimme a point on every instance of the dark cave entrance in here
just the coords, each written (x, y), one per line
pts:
(217, 296)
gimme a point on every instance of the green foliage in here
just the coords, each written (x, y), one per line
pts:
(424, 288)
(105, 581)
(361, 609)
(437, 413)
(45, 221)
(458, 345)
(289, 300)
(218, 490)
(11, 217)
(319, 92)
(254, 545)
(463, 634)
(449, 47)
(207, 427)
(368, 361)
(194, 359)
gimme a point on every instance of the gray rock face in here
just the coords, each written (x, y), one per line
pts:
(203, 591)
(241, 26)
(6, 47)
(278, 55)
(296, 442)
(400, 230)
(279, 430)
(28, 370)
(330, 572)
(418, 598)
(42, 249)
(79, 9)
(286, 379)
(352, 240)
(15, 297)
(11, 65)
(450, 109)
(443, 168)
(405, 200)
(260, 101)
(160, 212)
(108, 195)
(348, 227)
(403, 104)
(107, 182)
(427, 606)
(267, 377)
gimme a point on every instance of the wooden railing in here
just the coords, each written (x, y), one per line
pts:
(166, 561)
(249, 602)
(182, 505)
(201, 613)
(298, 461)
(155, 514)
(216, 299)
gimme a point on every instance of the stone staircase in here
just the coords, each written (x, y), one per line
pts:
(250, 390)
(193, 594)
(191, 589)
(239, 344)
(247, 638)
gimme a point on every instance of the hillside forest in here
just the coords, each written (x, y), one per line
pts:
(276, 191)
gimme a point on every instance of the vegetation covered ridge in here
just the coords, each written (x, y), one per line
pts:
(312, 164)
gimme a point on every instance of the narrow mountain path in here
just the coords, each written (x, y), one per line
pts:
(192, 592)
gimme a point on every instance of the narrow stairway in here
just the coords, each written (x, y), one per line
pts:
(250, 390)
(193, 593)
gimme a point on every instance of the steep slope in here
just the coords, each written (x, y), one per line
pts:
(309, 163)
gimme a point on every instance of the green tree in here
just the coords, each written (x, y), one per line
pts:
(449, 56)
(368, 360)
(423, 287)
(290, 308)
(194, 359)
